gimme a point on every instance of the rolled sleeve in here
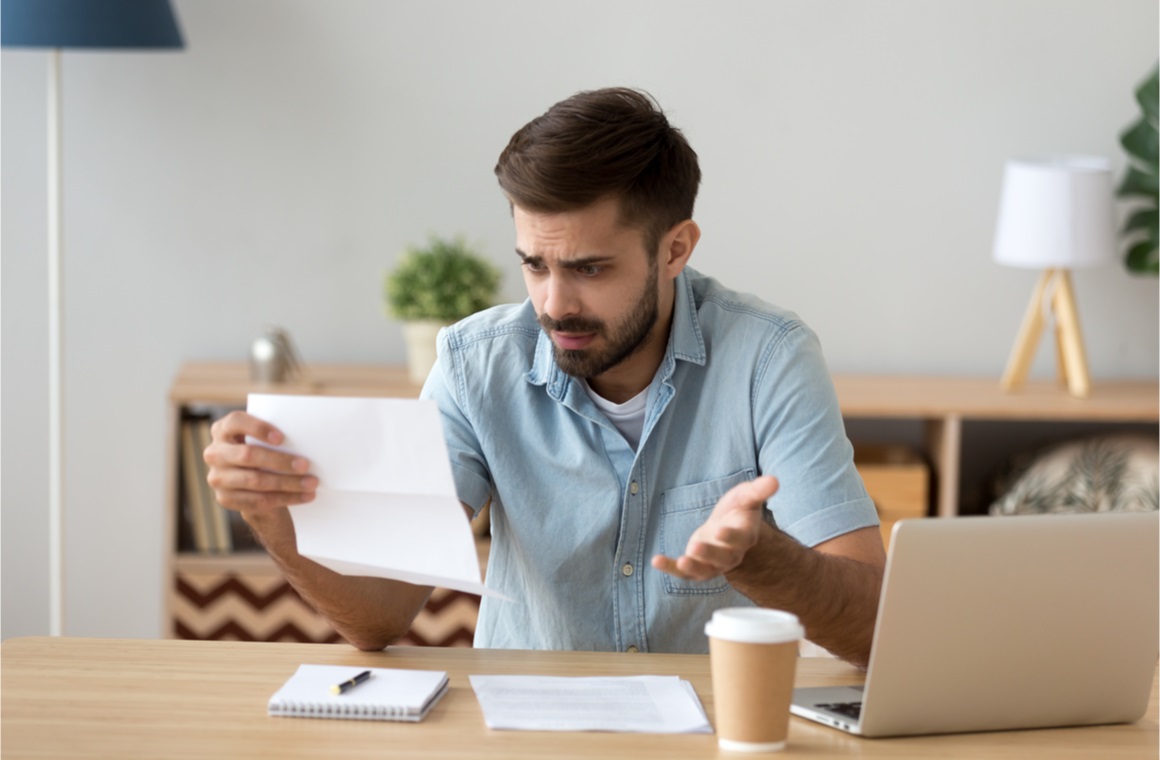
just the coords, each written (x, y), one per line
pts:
(802, 441)
(832, 522)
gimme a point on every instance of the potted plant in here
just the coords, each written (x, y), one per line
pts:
(432, 287)
(1140, 141)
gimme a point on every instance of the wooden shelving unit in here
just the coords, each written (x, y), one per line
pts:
(248, 585)
(943, 404)
(242, 595)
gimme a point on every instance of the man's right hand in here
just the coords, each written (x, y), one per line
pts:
(248, 477)
(370, 613)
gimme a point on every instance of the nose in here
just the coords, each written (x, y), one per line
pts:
(561, 301)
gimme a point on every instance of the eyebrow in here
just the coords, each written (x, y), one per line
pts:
(584, 261)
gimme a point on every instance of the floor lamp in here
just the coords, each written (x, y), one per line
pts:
(1056, 214)
(58, 24)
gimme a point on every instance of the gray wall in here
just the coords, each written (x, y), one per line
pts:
(852, 154)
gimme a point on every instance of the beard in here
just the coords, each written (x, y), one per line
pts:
(621, 340)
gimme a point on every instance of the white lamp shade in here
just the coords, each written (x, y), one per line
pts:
(1056, 213)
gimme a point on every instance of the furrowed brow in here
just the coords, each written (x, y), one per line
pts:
(584, 261)
(533, 260)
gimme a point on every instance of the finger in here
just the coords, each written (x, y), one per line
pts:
(724, 540)
(731, 534)
(750, 495)
(242, 455)
(695, 570)
(685, 568)
(247, 479)
(236, 425)
(667, 565)
(721, 558)
(239, 500)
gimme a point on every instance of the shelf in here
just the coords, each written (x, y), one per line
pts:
(943, 404)
(228, 383)
(258, 562)
(983, 399)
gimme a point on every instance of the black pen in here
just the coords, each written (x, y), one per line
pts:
(342, 688)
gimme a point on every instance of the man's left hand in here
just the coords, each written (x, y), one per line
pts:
(720, 544)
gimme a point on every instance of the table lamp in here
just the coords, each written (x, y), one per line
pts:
(1055, 214)
(56, 24)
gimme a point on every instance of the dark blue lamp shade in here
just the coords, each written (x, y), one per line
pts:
(89, 24)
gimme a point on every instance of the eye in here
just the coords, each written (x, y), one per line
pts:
(590, 271)
(534, 266)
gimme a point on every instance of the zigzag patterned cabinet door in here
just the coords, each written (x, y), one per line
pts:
(212, 601)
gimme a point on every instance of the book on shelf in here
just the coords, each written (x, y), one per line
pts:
(221, 542)
(192, 470)
(212, 529)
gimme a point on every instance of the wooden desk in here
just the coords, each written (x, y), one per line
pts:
(78, 698)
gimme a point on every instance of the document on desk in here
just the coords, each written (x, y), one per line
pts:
(386, 504)
(636, 704)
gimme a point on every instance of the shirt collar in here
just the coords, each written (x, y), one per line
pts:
(685, 342)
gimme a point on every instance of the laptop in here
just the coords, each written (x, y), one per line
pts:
(1001, 623)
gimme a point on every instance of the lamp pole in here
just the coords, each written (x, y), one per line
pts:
(55, 354)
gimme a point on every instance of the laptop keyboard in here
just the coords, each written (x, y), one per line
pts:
(852, 710)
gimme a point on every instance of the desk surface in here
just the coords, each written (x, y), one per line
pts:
(77, 698)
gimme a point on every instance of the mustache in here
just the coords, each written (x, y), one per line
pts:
(571, 325)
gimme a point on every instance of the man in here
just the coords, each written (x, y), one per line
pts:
(627, 423)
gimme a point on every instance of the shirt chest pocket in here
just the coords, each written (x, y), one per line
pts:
(683, 510)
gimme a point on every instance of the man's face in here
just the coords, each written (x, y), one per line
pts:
(592, 283)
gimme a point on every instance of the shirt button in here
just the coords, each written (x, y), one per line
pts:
(633, 488)
(626, 570)
(632, 649)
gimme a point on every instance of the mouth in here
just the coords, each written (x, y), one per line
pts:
(572, 341)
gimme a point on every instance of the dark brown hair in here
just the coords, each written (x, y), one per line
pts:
(613, 142)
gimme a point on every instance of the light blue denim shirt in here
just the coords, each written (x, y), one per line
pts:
(576, 514)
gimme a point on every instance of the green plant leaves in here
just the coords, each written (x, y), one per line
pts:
(1148, 96)
(1143, 219)
(1141, 141)
(1144, 257)
(446, 281)
(1137, 182)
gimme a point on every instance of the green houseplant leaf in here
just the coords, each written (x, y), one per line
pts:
(444, 281)
(1139, 183)
(1148, 96)
(1142, 256)
(1141, 141)
(1142, 219)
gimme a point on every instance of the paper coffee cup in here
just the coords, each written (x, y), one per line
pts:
(752, 655)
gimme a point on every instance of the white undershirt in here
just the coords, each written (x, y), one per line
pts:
(627, 417)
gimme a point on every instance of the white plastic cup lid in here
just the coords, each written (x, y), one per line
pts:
(754, 625)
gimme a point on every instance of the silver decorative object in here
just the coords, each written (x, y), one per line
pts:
(273, 358)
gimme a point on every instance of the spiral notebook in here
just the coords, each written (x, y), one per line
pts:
(389, 694)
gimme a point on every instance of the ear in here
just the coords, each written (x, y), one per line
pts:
(677, 246)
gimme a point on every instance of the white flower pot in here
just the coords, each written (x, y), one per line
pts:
(420, 336)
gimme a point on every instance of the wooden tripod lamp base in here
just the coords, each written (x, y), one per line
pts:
(1072, 361)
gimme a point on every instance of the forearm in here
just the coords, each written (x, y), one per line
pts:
(836, 598)
(370, 613)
